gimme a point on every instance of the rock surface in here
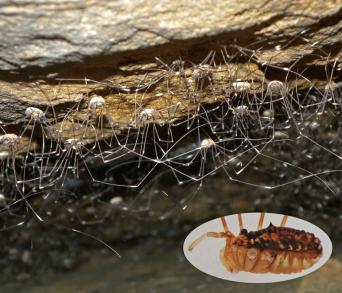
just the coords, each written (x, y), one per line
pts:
(46, 33)
(53, 51)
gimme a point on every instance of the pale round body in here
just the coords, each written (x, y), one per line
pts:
(207, 143)
(241, 110)
(9, 139)
(241, 86)
(147, 114)
(276, 88)
(96, 102)
(34, 113)
(202, 71)
(73, 143)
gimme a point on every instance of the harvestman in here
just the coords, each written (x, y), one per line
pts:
(278, 250)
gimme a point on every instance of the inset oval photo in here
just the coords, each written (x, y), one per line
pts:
(257, 248)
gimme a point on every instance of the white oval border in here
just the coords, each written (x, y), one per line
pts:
(205, 257)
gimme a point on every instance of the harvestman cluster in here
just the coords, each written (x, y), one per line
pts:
(231, 135)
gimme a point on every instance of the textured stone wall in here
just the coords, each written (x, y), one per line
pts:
(49, 49)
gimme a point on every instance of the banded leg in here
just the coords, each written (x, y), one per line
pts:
(202, 237)
(240, 221)
(261, 221)
(283, 221)
(227, 256)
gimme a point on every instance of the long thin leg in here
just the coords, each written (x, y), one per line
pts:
(283, 221)
(261, 221)
(240, 221)
(208, 234)
(224, 223)
(224, 234)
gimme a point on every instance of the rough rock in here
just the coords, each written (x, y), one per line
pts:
(54, 53)
(46, 33)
